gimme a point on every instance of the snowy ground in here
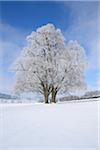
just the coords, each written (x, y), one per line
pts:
(66, 126)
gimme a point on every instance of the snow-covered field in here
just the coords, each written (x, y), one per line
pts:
(64, 126)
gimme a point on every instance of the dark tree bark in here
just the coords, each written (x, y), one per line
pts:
(46, 92)
(53, 94)
(46, 97)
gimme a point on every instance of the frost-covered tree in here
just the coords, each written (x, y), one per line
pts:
(48, 65)
(69, 69)
(34, 66)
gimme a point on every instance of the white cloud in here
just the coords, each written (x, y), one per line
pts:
(11, 42)
(85, 28)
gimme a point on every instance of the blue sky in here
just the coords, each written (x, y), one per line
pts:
(77, 20)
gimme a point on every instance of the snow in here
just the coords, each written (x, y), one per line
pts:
(68, 126)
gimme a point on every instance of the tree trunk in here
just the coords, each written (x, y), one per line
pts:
(46, 90)
(46, 93)
(53, 95)
(46, 98)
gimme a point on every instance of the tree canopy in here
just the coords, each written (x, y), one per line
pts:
(48, 64)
